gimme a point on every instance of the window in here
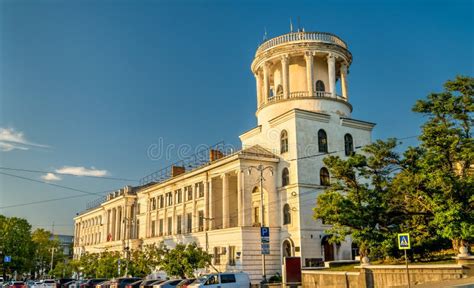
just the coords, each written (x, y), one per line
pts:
(153, 225)
(227, 278)
(322, 141)
(279, 90)
(190, 192)
(256, 216)
(320, 86)
(161, 201)
(178, 224)
(212, 280)
(201, 220)
(231, 256)
(200, 188)
(153, 203)
(283, 141)
(170, 225)
(161, 227)
(286, 214)
(348, 144)
(189, 224)
(217, 256)
(285, 177)
(169, 199)
(178, 196)
(324, 177)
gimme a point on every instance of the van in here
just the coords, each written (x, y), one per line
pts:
(223, 280)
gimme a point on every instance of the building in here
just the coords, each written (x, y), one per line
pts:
(216, 203)
(65, 243)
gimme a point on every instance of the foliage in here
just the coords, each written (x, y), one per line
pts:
(43, 245)
(183, 260)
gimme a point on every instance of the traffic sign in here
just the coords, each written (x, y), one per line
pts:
(7, 259)
(403, 241)
(264, 231)
(266, 248)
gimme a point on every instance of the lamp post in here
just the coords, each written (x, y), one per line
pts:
(260, 168)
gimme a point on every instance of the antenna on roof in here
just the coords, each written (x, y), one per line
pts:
(265, 34)
(291, 26)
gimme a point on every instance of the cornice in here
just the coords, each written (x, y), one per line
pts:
(357, 124)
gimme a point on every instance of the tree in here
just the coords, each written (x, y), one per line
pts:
(360, 202)
(439, 173)
(43, 245)
(143, 262)
(183, 260)
(15, 241)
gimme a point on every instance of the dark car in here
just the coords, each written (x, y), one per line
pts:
(150, 282)
(122, 282)
(135, 284)
(169, 284)
(17, 284)
(185, 283)
(60, 282)
(104, 284)
(92, 282)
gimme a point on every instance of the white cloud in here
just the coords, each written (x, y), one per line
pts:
(11, 140)
(82, 171)
(50, 177)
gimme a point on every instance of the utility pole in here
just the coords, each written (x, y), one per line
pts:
(53, 249)
(260, 168)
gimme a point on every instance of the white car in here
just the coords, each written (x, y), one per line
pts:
(223, 280)
(48, 283)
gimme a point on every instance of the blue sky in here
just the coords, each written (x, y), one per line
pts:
(95, 84)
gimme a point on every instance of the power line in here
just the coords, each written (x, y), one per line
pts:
(66, 174)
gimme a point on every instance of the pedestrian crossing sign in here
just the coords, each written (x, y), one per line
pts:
(403, 241)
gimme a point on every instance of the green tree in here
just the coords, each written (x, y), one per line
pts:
(438, 174)
(360, 202)
(43, 244)
(143, 262)
(183, 260)
(15, 241)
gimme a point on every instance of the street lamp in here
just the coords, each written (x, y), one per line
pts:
(260, 168)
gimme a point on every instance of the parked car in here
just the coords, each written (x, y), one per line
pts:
(77, 283)
(48, 283)
(103, 284)
(91, 283)
(122, 282)
(185, 283)
(168, 284)
(60, 282)
(223, 280)
(135, 284)
(17, 284)
(150, 282)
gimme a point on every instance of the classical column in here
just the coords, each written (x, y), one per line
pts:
(285, 61)
(114, 223)
(240, 209)
(308, 56)
(225, 201)
(344, 81)
(332, 74)
(266, 82)
(210, 218)
(206, 205)
(259, 88)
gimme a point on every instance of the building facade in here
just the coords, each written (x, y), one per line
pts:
(301, 118)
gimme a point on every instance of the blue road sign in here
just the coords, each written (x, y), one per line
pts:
(403, 241)
(264, 231)
(265, 248)
(7, 259)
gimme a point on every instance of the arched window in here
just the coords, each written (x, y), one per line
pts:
(324, 177)
(320, 86)
(285, 177)
(322, 141)
(283, 141)
(348, 144)
(255, 190)
(279, 90)
(286, 214)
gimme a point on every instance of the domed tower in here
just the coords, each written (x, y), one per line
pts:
(301, 70)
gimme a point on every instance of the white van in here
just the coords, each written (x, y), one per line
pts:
(223, 280)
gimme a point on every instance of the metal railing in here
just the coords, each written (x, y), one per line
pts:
(302, 36)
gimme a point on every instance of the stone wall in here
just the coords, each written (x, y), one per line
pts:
(330, 279)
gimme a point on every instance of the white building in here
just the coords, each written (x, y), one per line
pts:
(300, 118)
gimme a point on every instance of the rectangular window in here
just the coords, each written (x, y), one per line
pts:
(178, 196)
(232, 255)
(217, 255)
(169, 199)
(201, 221)
(190, 192)
(189, 225)
(161, 201)
(178, 224)
(161, 227)
(227, 278)
(200, 188)
(170, 225)
(138, 208)
(153, 225)
(256, 216)
(153, 203)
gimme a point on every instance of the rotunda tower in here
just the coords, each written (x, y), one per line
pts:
(301, 70)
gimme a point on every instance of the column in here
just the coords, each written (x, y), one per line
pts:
(225, 201)
(285, 61)
(259, 88)
(210, 218)
(332, 74)
(309, 72)
(266, 82)
(207, 186)
(344, 81)
(240, 208)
